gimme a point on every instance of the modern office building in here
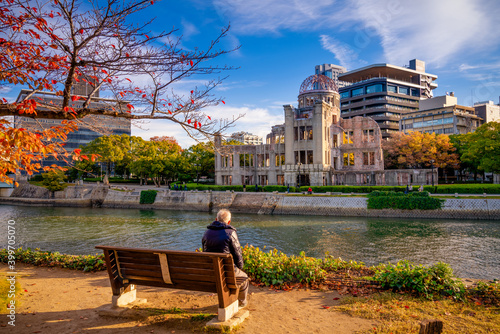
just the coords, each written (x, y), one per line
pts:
(332, 71)
(385, 92)
(89, 128)
(441, 115)
(246, 138)
(488, 111)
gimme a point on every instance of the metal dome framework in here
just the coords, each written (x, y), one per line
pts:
(318, 82)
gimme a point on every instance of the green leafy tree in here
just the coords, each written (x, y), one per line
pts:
(54, 180)
(482, 148)
(201, 160)
(113, 149)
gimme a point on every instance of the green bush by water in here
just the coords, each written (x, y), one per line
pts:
(148, 196)
(429, 282)
(410, 201)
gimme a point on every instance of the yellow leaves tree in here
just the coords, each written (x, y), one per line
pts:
(418, 150)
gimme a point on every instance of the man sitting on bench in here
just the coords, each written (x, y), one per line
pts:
(221, 237)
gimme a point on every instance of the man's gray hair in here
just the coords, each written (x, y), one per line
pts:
(224, 216)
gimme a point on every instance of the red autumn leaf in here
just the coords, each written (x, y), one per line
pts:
(192, 101)
(169, 104)
(104, 71)
(325, 307)
(113, 46)
(47, 86)
(223, 102)
(191, 62)
(66, 109)
(192, 92)
(181, 105)
(210, 118)
(127, 55)
(195, 125)
(128, 79)
(84, 157)
(54, 82)
(81, 31)
(77, 151)
(336, 298)
(170, 112)
(130, 106)
(189, 121)
(147, 36)
(144, 95)
(75, 98)
(406, 306)
(478, 303)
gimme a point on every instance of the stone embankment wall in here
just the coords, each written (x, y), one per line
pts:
(257, 203)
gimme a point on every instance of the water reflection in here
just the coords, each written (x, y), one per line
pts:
(471, 247)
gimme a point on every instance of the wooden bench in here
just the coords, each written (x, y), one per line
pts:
(209, 272)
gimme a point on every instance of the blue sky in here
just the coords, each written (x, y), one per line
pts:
(282, 41)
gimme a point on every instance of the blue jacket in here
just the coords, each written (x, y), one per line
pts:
(222, 238)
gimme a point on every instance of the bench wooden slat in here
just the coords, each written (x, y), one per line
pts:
(136, 260)
(205, 287)
(140, 266)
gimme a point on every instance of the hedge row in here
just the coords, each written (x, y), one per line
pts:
(410, 201)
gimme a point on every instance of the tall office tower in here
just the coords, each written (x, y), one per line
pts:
(385, 92)
(90, 128)
(332, 71)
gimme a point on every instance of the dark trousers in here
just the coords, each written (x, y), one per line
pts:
(242, 281)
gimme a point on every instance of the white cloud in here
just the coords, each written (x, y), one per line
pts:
(256, 120)
(427, 29)
(434, 31)
(344, 54)
(261, 16)
(188, 29)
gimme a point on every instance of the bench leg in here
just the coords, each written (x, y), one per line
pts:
(228, 312)
(127, 296)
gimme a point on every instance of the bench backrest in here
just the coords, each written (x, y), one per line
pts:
(209, 272)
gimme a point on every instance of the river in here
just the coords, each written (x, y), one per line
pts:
(471, 247)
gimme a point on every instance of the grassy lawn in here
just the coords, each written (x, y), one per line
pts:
(401, 313)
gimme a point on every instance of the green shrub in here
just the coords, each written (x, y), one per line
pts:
(148, 196)
(49, 259)
(488, 292)
(397, 200)
(54, 180)
(276, 268)
(429, 282)
(37, 177)
(464, 189)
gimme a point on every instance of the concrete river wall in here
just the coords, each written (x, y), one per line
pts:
(256, 203)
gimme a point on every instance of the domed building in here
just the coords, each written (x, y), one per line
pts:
(313, 147)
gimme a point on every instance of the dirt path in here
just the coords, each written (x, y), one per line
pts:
(54, 300)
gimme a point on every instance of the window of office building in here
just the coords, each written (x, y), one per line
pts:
(344, 95)
(374, 88)
(404, 90)
(358, 91)
(392, 89)
(415, 92)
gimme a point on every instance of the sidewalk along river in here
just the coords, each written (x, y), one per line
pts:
(471, 247)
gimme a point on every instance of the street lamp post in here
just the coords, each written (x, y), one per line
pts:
(298, 183)
(432, 172)
(197, 172)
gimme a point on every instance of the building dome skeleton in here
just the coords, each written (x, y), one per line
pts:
(318, 82)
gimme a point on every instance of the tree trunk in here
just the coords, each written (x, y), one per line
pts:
(431, 327)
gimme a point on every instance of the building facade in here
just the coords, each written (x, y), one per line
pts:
(332, 71)
(441, 115)
(488, 111)
(385, 93)
(89, 128)
(246, 138)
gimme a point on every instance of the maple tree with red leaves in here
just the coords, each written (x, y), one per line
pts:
(53, 46)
